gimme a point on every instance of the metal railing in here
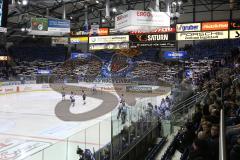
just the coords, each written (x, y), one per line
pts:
(222, 138)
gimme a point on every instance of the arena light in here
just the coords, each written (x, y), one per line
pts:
(24, 2)
(97, 1)
(114, 10)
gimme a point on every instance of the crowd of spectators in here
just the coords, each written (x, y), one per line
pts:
(201, 134)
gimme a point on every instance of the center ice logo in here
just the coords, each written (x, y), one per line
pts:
(124, 89)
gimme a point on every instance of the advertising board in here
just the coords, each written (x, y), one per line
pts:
(109, 46)
(159, 30)
(167, 44)
(60, 40)
(78, 40)
(215, 26)
(234, 34)
(76, 55)
(58, 25)
(39, 24)
(3, 58)
(188, 27)
(108, 39)
(137, 19)
(235, 25)
(208, 35)
(139, 89)
(174, 55)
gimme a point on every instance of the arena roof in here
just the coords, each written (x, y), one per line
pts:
(19, 15)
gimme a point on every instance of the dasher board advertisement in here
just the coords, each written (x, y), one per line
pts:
(202, 35)
(188, 27)
(235, 34)
(109, 39)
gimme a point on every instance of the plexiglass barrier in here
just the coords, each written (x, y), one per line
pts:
(106, 139)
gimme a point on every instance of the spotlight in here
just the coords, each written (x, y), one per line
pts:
(23, 29)
(114, 10)
(103, 20)
(97, 1)
(24, 2)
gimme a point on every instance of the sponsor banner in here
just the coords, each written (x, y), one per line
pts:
(80, 55)
(39, 24)
(45, 86)
(27, 88)
(3, 30)
(94, 29)
(202, 35)
(235, 25)
(142, 89)
(215, 26)
(3, 58)
(56, 25)
(189, 27)
(79, 33)
(30, 82)
(159, 30)
(162, 44)
(234, 34)
(109, 39)
(42, 71)
(174, 55)
(10, 83)
(78, 40)
(152, 37)
(60, 40)
(109, 46)
(100, 32)
(137, 19)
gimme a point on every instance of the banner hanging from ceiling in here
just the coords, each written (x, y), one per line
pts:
(134, 20)
(39, 24)
(58, 25)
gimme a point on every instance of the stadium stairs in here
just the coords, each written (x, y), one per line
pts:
(180, 114)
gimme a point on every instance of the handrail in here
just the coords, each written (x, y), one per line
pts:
(199, 95)
(222, 139)
(181, 103)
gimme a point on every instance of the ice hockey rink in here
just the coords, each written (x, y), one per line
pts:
(29, 125)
